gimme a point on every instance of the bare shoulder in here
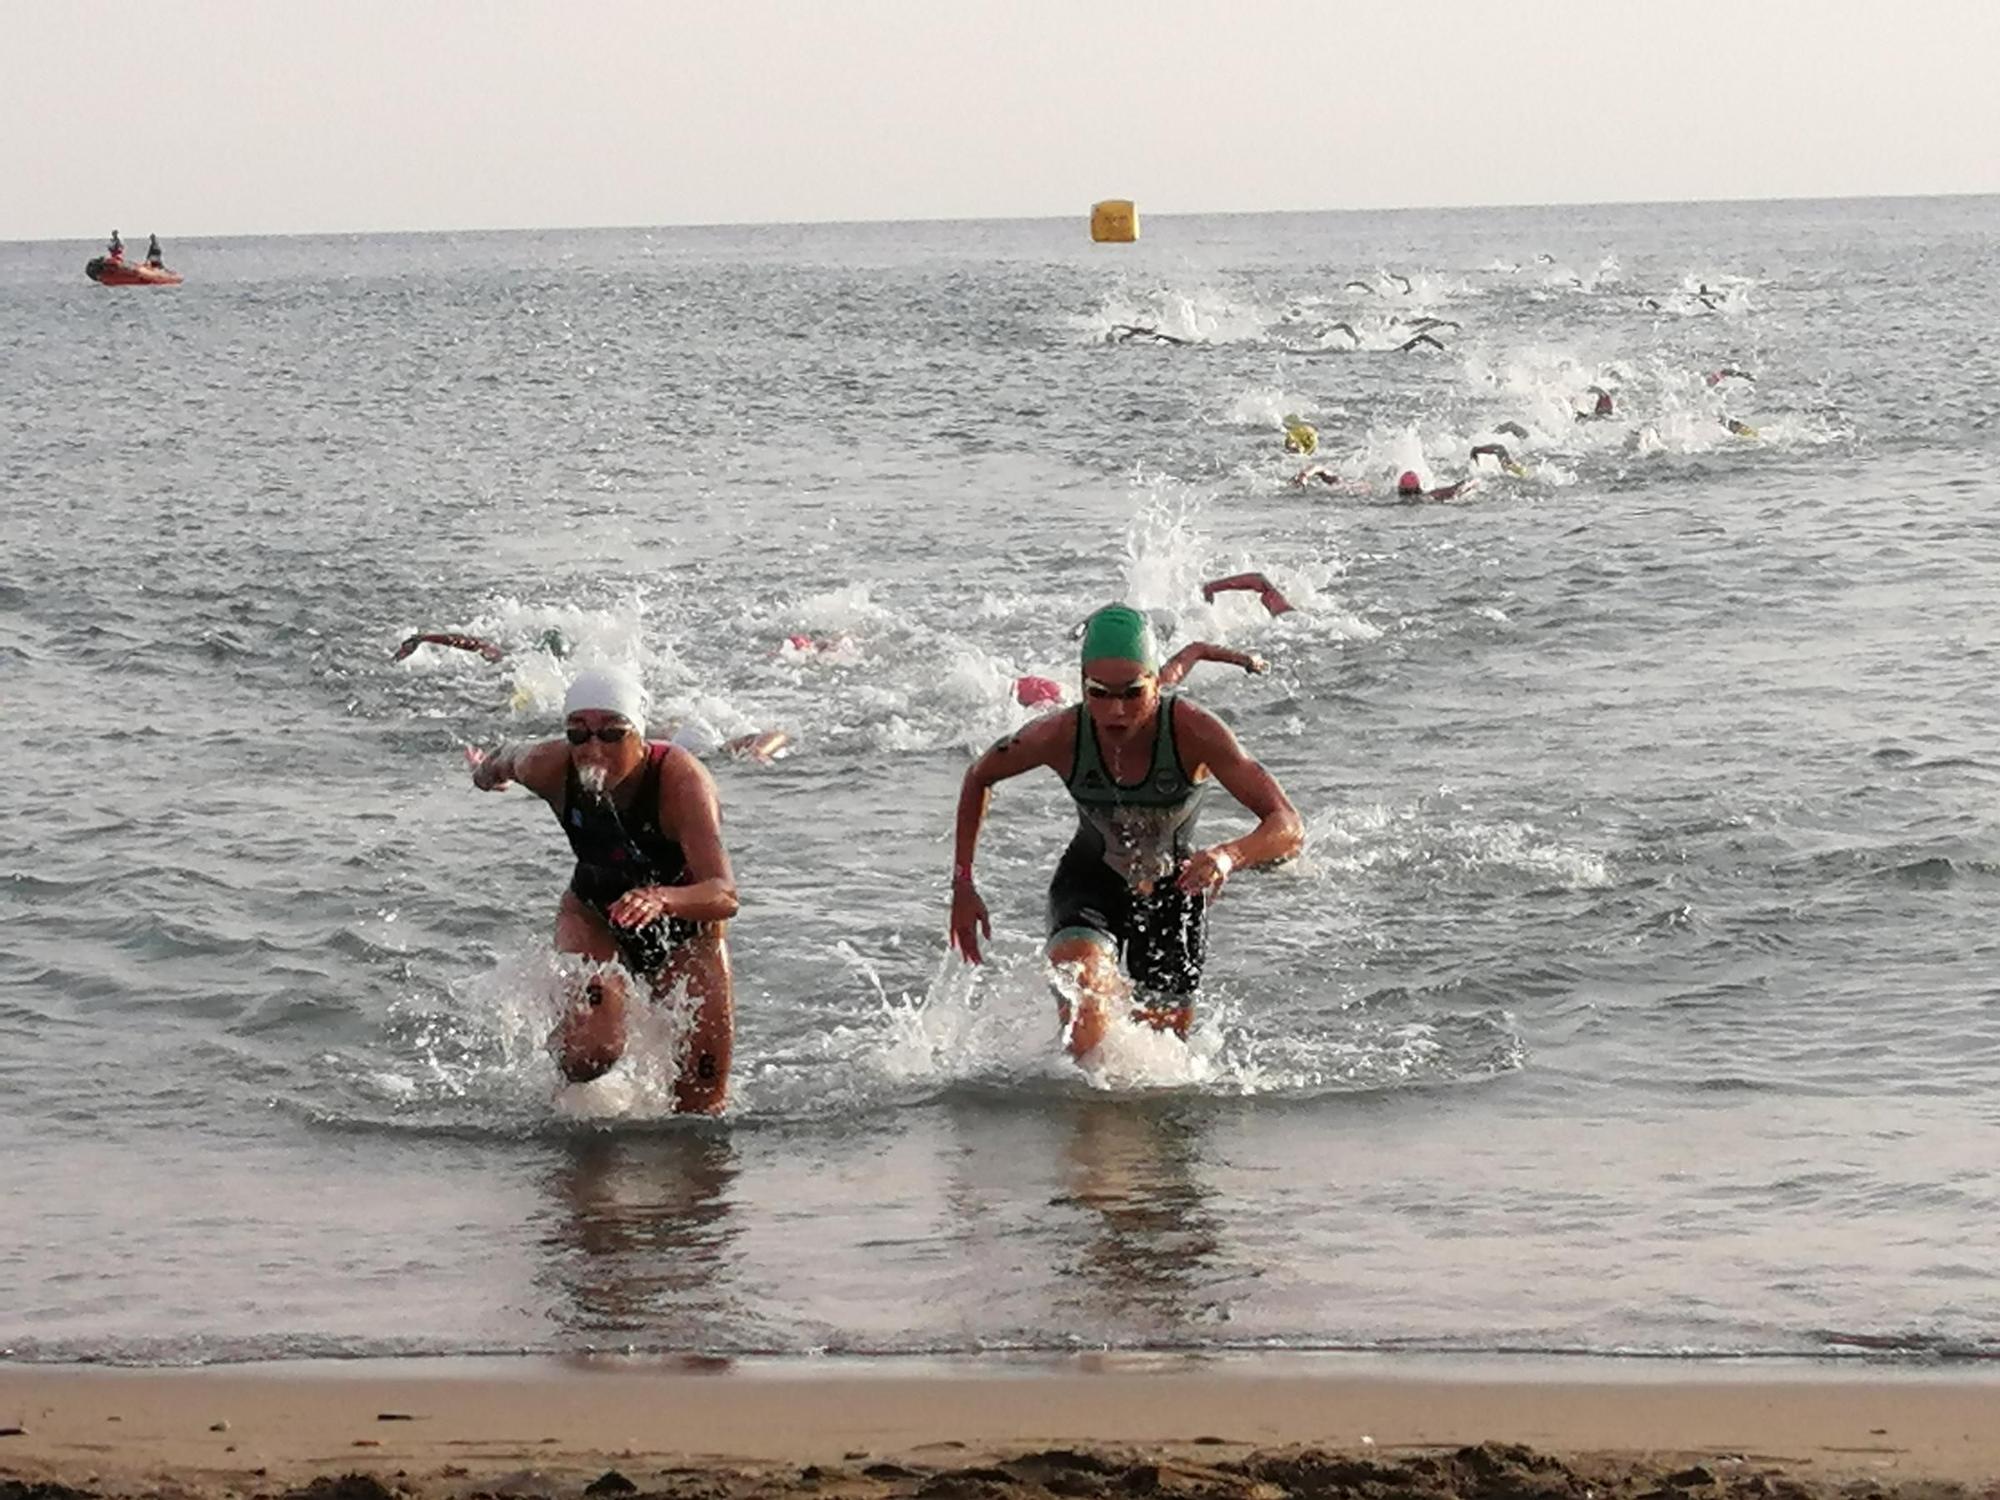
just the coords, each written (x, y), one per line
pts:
(684, 780)
(1191, 718)
(1201, 736)
(1041, 742)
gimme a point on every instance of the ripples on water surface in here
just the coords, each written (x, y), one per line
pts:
(1636, 990)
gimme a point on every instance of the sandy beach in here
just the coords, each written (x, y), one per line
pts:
(1095, 1426)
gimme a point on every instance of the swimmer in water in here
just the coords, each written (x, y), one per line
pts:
(1194, 653)
(1411, 488)
(1499, 454)
(814, 645)
(452, 639)
(1739, 429)
(1601, 409)
(1422, 338)
(1716, 377)
(652, 886)
(1361, 286)
(1128, 906)
(1513, 429)
(1316, 474)
(1129, 333)
(1254, 583)
(762, 746)
(1300, 437)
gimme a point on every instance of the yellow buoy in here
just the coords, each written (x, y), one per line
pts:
(1115, 221)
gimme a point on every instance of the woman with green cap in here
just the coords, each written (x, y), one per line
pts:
(1128, 907)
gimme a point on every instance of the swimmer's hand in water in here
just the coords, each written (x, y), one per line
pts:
(1205, 872)
(969, 921)
(490, 773)
(764, 746)
(643, 904)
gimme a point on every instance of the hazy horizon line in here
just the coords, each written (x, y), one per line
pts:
(1081, 216)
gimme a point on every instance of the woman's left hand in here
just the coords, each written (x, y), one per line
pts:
(646, 903)
(1205, 871)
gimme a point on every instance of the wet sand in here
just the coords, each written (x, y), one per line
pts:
(1093, 1427)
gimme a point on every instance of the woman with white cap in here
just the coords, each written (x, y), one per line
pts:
(652, 886)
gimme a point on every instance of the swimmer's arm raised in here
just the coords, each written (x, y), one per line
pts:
(1194, 653)
(1255, 583)
(453, 639)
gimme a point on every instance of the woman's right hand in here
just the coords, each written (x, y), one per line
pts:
(485, 770)
(968, 921)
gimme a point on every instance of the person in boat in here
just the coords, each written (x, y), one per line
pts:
(153, 251)
(1128, 905)
(115, 251)
(652, 886)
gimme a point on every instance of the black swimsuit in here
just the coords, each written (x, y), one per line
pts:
(1117, 876)
(616, 853)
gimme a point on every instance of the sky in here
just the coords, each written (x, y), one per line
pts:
(214, 117)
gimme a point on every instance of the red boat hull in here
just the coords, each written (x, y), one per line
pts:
(107, 272)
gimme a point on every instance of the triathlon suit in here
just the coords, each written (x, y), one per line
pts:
(616, 853)
(1117, 876)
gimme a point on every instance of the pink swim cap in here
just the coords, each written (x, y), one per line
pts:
(1032, 691)
(1409, 482)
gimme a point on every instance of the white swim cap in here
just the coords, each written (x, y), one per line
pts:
(608, 692)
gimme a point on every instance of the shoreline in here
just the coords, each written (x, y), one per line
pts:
(535, 1426)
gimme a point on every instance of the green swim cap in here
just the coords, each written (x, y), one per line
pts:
(1120, 631)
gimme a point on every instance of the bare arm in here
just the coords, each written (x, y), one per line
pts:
(1498, 452)
(540, 767)
(689, 807)
(1279, 834)
(1046, 742)
(1194, 653)
(450, 638)
(1255, 583)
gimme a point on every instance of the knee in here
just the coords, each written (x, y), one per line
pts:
(1080, 950)
(584, 1067)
